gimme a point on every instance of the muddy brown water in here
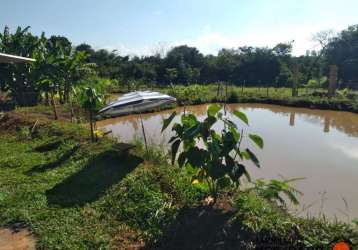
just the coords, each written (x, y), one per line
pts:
(319, 145)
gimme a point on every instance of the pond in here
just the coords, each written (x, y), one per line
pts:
(319, 145)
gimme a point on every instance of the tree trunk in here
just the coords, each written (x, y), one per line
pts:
(66, 92)
(73, 117)
(47, 99)
(295, 81)
(60, 94)
(333, 70)
(53, 104)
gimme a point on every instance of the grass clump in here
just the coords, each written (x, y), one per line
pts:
(270, 225)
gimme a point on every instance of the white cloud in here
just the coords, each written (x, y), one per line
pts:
(146, 50)
(210, 41)
(349, 150)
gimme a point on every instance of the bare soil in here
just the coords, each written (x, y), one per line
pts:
(17, 239)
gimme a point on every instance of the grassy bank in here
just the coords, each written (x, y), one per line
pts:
(74, 194)
(199, 94)
(78, 195)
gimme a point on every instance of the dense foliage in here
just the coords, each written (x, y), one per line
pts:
(61, 65)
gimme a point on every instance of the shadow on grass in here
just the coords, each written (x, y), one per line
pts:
(216, 228)
(52, 145)
(54, 164)
(202, 227)
(87, 185)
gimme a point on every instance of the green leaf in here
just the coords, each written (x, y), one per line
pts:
(257, 140)
(193, 131)
(237, 171)
(196, 157)
(253, 158)
(175, 147)
(167, 121)
(244, 155)
(172, 139)
(355, 221)
(241, 116)
(229, 161)
(178, 128)
(224, 182)
(182, 159)
(215, 149)
(213, 109)
(229, 142)
(216, 169)
(235, 133)
(230, 124)
(189, 120)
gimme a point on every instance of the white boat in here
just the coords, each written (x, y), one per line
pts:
(136, 102)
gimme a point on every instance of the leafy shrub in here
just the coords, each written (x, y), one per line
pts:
(216, 162)
(233, 97)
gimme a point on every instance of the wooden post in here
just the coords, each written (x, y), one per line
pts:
(144, 135)
(218, 90)
(259, 86)
(332, 80)
(295, 81)
(225, 98)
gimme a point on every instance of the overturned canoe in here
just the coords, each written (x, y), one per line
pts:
(136, 102)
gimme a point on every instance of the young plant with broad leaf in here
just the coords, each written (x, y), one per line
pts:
(91, 101)
(217, 157)
(277, 190)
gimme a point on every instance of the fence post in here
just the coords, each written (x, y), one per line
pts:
(333, 69)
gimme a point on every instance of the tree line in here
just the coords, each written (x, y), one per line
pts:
(60, 65)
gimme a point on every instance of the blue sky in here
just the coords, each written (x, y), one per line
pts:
(143, 27)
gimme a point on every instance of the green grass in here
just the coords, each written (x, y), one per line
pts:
(79, 195)
(266, 222)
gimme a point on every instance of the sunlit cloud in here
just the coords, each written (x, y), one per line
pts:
(349, 150)
(210, 41)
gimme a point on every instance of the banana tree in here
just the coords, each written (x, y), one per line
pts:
(20, 79)
(73, 69)
(91, 101)
(49, 87)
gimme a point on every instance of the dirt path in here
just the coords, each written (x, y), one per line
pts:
(13, 239)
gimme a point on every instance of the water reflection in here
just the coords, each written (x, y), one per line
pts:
(292, 119)
(320, 145)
